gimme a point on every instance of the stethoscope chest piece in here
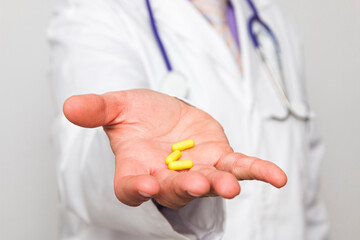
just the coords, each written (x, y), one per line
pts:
(174, 84)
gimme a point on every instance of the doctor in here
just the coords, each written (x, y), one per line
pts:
(239, 63)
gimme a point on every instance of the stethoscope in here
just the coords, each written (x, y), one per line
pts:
(175, 84)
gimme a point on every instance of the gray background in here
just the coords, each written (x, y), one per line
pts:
(28, 195)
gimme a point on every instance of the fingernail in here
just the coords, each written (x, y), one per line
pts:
(194, 195)
(145, 195)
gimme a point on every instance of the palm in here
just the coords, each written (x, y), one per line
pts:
(142, 125)
(155, 122)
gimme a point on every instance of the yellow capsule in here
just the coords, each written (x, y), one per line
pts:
(173, 157)
(181, 165)
(183, 145)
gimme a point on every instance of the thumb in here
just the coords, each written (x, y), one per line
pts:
(93, 110)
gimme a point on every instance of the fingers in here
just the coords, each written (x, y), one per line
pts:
(178, 189)
(173, 189)
(93, 110)
(222, 183)
(134, 190)
(250, 168)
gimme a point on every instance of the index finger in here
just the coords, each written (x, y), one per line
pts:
(251, 168)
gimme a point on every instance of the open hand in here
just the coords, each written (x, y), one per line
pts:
(142, 125)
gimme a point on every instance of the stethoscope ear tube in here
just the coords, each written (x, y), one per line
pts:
(252, 35)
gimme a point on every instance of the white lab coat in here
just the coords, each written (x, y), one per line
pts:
(107, 45)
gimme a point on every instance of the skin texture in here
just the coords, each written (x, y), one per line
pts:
(142, 125)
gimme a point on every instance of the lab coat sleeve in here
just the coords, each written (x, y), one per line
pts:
(92, 52)
(317, 226)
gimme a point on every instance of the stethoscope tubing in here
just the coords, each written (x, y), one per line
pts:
(255, 18)
(158, 38)
(280, 91)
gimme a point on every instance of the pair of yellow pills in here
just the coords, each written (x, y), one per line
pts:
(172, 159)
